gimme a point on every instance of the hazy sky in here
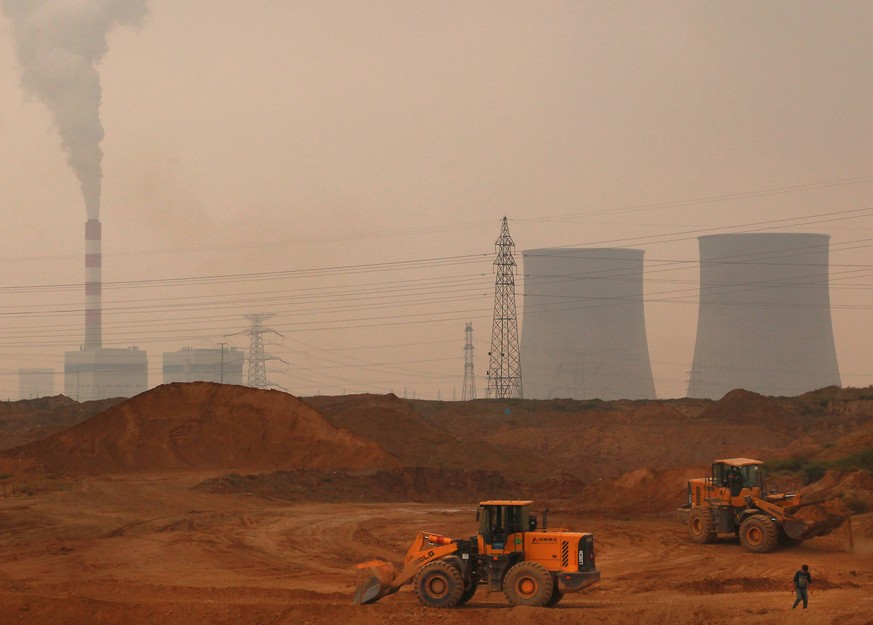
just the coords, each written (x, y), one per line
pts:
(346, 164)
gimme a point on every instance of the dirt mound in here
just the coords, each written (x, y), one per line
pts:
(859, 440)
(27, 420)
(854, 489)
(742, 406)
(391, 422)
(201, 426)
(397, 426)
(734, 584)
(642, 490)
(657, 411)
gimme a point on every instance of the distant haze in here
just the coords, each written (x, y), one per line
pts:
(344, 166)
(59, 44)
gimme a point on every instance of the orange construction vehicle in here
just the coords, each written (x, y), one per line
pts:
(532, 566)
(735, 501)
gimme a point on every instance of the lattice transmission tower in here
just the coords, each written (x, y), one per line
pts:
(257, 356)
(469, 390)
(504, 368)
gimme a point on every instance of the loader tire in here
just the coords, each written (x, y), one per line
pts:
(759, 534)
(468, 594)
(529, 584)
(701, 526)
(439, 585)
(555, 599)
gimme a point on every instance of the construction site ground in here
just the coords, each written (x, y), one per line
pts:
(101, 525)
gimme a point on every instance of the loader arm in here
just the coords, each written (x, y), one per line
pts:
(792, 526)
(424, 549)
(380, 578)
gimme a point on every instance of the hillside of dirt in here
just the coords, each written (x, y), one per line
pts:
(207, 503)
(198, 426)
(27, 420)
(398, 428)
(622, 455)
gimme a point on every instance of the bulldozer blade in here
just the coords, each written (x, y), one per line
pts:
(374, 581)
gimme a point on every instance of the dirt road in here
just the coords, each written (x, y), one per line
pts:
(148, 549)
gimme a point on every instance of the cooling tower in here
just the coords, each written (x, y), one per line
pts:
(584, 329)
(93, 285)
(764, 322)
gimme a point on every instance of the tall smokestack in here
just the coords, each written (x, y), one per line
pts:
(93, 285)
(59, 45)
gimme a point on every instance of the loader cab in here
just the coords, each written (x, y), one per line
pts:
(501, 523)
(738, 474)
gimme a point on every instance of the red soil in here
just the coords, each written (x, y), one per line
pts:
(221, 504)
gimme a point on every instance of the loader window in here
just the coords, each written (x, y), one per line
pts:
(752, 476)
(516, 518)
(492, 526)
(719, 476)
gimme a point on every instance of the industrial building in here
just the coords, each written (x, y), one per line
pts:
(105, 372)
(224, 366)
(33, 383)
(764, 321)
(584, 330)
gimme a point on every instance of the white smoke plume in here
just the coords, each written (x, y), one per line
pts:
(59, 44)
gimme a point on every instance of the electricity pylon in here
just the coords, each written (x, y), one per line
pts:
(504, 368)
(257, 356)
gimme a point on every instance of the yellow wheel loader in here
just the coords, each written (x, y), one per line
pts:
(734, 500)
(532, 566)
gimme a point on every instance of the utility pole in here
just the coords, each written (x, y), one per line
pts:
(468, 391)
(221, 376)
(504, 369)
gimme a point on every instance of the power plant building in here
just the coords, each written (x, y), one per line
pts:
(584, 330)
(764, 322)
(33, 383)
(102, 373)
(204, 365)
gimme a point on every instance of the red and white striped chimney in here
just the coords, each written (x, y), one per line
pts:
(93, 285)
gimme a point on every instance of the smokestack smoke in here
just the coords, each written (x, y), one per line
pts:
(59, 44)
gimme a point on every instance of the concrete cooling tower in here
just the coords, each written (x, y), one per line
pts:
(584, 329)
(764, 322)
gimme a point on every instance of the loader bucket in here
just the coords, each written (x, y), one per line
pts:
(795, 529)
(821, 527)
(814, 520)
(374, 581)
(805, 529)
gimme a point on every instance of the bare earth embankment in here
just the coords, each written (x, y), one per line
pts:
(216, 504)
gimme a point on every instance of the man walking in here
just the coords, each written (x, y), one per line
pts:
(802, 580)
